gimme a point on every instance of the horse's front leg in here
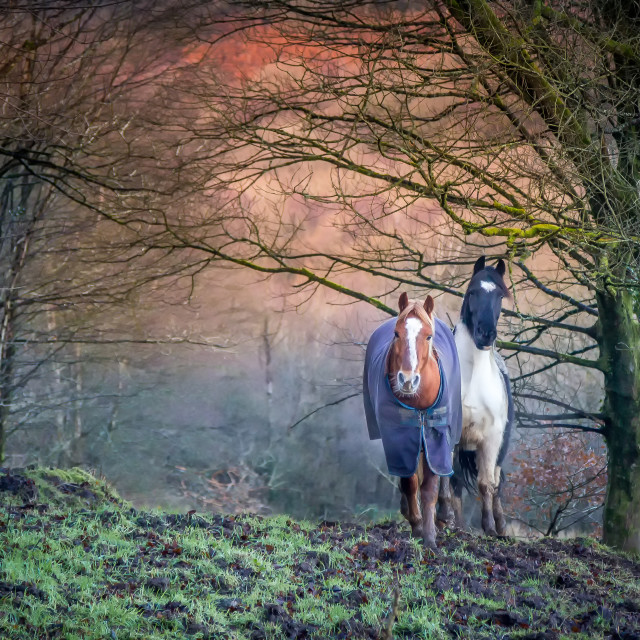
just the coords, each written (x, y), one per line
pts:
(456, 485)
(498, 513)
(456, 499)
(409, 506)
(429, 497)
(486, 457)
(446, 516)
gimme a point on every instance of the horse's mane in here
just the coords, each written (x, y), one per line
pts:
(417, 307)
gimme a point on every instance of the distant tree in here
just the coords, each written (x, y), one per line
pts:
(73, 79)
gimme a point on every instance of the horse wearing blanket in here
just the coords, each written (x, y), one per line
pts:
(411, 390)
(487, 403)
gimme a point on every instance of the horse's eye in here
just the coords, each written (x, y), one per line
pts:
(429, 338)
(395, 333)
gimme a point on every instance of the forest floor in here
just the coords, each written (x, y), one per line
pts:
(76, 561)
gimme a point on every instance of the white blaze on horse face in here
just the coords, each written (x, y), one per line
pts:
(487, 286)
(413, 329)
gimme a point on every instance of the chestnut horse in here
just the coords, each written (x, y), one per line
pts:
(411, 391)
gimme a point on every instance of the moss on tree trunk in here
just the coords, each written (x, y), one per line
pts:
(620, 348)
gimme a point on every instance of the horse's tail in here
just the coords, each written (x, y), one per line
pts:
(468, 470)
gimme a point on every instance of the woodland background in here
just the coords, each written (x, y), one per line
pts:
(185, 375)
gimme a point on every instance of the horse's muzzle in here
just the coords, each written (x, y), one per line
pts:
(484, 339)
(407, 383)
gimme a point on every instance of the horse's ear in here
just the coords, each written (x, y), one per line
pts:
(500, 267)
(479, 265)
(404, 301)
(429, 305)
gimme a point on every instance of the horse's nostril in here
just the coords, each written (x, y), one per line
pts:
(401, 378)
(415, 381)
(487, 333)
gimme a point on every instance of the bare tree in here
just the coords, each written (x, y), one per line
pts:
(415, 138)
(73, 80)
(384, 146)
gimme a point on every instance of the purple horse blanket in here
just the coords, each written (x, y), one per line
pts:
(404, 430)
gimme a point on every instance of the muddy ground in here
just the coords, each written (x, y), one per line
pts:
(245, 576)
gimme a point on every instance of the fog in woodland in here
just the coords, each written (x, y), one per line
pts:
(223, 389)
(259, 410)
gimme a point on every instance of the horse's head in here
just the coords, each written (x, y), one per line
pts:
(412, 347)
(483, 302)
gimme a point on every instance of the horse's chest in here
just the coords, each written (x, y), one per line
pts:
(484, 406)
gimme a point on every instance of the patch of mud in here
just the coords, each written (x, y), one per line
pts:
(18, 485)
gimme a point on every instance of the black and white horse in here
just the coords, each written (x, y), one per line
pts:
(487, 403)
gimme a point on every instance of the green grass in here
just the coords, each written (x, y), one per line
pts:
(76, 561)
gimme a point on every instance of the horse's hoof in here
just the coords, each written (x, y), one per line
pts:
(446, 524)
(430, 546)
(491, 533)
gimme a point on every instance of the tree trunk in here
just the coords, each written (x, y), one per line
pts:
(77, 452)
(7, 350)
(620, 350)
(4, 419)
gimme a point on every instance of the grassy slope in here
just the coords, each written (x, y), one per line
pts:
(78, 562)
